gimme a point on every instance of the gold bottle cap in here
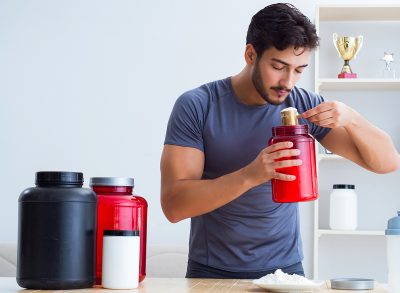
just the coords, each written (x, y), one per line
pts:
(289, 116)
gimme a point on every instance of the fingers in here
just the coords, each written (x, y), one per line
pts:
(281, 158)
(278, 146)
(286, 163)
(280, 150)
(278, 156)
(329, 114)
(324, 120)
(283, 177)
(323, 107)
(282, 154)
(327, 123)
(321, 116)
(277, 165)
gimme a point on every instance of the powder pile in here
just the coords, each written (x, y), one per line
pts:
(280, 277)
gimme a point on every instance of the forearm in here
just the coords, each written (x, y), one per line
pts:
(185, 195)
(375, 146)
(189, 198)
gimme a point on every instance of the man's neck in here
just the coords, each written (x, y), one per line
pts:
(244, 89)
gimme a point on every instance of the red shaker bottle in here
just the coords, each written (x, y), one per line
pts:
(119, 209)
(305, 187)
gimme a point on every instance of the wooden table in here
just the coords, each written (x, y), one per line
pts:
(176, 285)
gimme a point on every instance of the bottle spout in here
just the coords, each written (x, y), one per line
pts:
(290, 116)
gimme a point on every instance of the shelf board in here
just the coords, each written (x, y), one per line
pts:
(329, 157)
(322, 232)
(365, 12)
(358, 84)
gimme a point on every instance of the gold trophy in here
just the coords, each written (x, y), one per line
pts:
(347, 48)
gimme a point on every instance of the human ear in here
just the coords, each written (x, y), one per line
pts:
(250, 54)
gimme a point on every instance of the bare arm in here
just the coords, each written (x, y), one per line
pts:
(184, 194)
(355, 138)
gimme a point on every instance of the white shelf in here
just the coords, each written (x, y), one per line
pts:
(358, 84)
(329, 157)
(327, 16)
(322, 232)
(362, 12)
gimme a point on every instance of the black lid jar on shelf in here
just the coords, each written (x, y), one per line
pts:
(56, 233)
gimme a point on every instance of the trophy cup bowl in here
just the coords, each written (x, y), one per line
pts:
(347, 48)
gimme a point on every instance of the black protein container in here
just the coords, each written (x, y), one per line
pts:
(56, 233)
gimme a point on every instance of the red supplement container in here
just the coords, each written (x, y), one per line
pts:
(119, 209)
(305, 187)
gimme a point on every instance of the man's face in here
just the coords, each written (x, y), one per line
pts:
(276, 72)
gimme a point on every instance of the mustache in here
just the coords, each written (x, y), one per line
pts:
(280, 88)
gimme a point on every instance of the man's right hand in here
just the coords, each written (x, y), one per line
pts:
(184, 194)
(269, 160)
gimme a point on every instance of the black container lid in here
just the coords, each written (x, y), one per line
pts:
(121, 233)
(343, 186)
(58, 178)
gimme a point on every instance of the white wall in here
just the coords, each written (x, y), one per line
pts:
(88, 86)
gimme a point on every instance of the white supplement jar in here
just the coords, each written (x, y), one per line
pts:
(120, 268)
(343, 207)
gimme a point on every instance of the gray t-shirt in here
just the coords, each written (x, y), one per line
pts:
(251, 233)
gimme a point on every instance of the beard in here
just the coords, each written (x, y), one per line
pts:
(259, 86)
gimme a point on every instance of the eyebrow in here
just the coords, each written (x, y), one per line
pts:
(287, 64)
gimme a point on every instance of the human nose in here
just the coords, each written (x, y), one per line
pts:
(287, 80)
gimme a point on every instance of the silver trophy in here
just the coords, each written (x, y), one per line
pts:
(388, 72)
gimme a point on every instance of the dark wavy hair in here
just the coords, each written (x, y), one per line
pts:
(281, 26)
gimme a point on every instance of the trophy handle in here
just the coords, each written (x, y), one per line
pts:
(360, 40)
(335, 38)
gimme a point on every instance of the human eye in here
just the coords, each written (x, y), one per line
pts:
(278, 67)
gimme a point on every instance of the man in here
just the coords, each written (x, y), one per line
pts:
(216, 167)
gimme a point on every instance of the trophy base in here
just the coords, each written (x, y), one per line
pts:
(347, 75)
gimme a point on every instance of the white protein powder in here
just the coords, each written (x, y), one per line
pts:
(279, 277)
(289, 109)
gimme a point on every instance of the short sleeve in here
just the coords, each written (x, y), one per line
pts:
(185, 125)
